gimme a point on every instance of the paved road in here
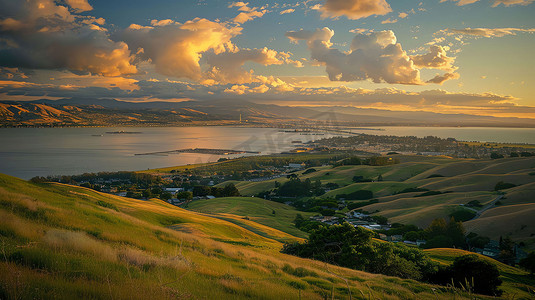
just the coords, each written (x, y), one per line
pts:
(485, 208)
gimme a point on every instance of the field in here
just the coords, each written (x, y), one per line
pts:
(67, 242)
(460, 181)
(268, 213)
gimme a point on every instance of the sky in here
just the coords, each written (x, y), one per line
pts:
(449, 56)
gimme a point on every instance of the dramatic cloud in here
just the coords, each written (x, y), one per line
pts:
(511, 2)
(40, 34)
(247, 13)
(374, 56)
(175, 49)
(487, 32)
(287, 11)
(436, 58)
(79, 5)
(389, 21)
(496, 2)
(227, 67)
(440, 79)
(354, 9)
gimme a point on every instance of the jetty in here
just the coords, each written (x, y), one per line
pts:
(200, 151)
(123, 132)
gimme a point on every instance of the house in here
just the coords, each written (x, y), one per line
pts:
(420, 242)
(356, 214)
(372, 226)
(174, 190)
(492, 249)
(296, 166)
(121, 194)
(395, 238)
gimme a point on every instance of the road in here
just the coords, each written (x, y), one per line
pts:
(485, 208)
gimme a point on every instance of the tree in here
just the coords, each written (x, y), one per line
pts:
(412, 236)
(184, 195)
(156, 191)
(165, 196)
(230, 190)
(342, 245)
(298, 220)
(482, 275)
(146, 193)
(380, 177)
(496, 155)
(507, 250)
(436, 228)
(528, 263)
(201, 190)
(503, 186)
(455, 231)
(380, 219)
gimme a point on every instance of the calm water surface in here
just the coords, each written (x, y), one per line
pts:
(28, 152)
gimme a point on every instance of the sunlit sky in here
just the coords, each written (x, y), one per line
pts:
(452, 56)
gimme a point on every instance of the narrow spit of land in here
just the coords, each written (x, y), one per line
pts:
(200, 151)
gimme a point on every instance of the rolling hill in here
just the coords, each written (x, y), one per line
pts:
(111, 112)
(61, 241)
(456, 181)
(272, 214)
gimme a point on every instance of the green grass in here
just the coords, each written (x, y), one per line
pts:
(515, 281)
(60, 241)
(382, 188)
(468, 179)
(256, 209)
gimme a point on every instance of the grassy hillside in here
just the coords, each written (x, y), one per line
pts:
(268, 213)
(66, 242)
(464, 180)
(515, 281)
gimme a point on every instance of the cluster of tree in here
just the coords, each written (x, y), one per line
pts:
(528, 263)
(431, 193)
(522, 154)
(91, 180)
(371, 161)
(308, 171)
(503, 186)
(473, 273)
(228, 190)
(306, 225)
(496, 155)
(154, 192)
(351, 247)
(359, 178)
(297, 188)
(412, 190)
(355, 205)
(356, 195)
(463, 215)
(350, 161)
(439, 234)
(324, 206)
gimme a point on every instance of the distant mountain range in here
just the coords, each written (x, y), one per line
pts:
(111, 112)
